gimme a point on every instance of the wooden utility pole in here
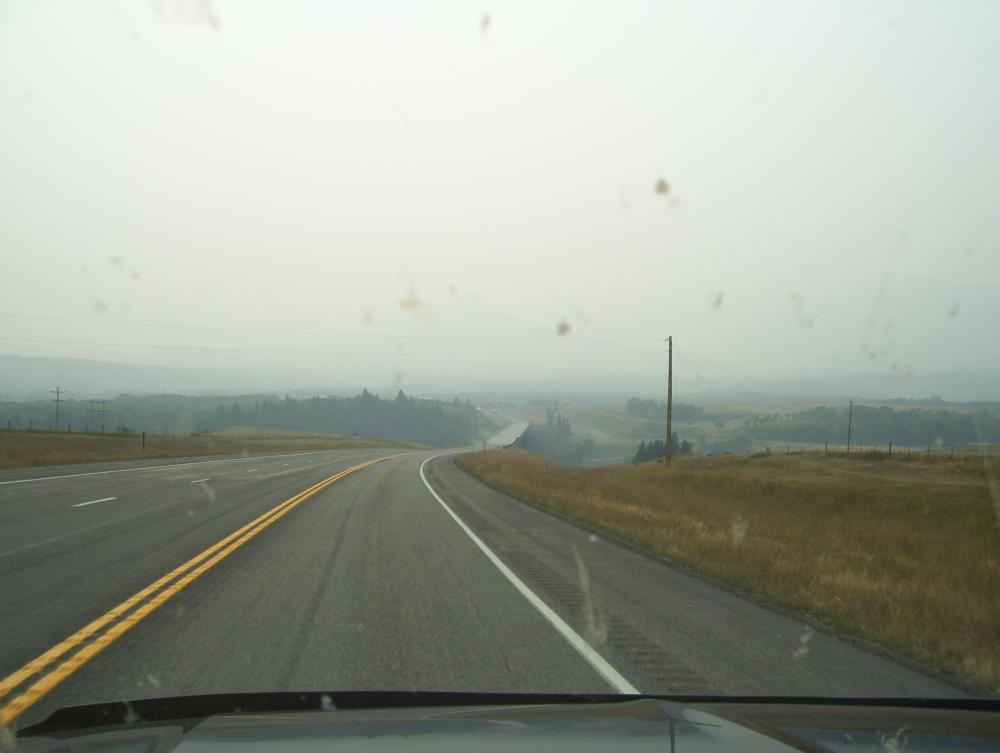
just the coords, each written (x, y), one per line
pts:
(850, 417)
(57, 392)
(668, 447)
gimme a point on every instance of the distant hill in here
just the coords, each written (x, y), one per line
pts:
(957, 387)
(31, 378)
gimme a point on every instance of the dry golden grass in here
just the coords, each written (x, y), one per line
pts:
(21, 448)
(903, 553)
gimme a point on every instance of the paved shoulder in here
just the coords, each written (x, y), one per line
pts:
(668, 631)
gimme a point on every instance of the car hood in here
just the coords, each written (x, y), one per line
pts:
(352, 723)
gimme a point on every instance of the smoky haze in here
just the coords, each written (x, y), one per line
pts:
(457, 194)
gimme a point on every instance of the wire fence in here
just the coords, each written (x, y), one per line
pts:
(875, 449)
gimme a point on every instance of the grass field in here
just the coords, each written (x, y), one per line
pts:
(21, 448)
(903, 552)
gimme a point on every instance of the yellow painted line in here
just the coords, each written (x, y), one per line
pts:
(39, 663)
(207, 559)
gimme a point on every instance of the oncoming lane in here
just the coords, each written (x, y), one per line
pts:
(61, 567)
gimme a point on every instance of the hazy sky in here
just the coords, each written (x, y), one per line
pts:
(465, 174)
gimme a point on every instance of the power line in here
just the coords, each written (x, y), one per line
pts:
(709, 365)
(324, 333)
(390, 353)
(701, 377)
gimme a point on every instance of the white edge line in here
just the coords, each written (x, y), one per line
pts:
(574, 639)
(165, 465)
(95, 501)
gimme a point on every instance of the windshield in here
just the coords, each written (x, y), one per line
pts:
(511, 347)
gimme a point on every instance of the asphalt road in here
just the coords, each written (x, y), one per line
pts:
(372, 582)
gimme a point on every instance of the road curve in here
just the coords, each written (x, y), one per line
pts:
(371, 583)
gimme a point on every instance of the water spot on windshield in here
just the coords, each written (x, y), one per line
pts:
(803, 648)
(900, 372)
(562, 328)
(662, 187)
(739, 530)
(413, 304)
(595, 624)
(716, 301)
(402, 114)
(190, 13)
(623, 202)
(894, 743)
(130, 716)
(209, 491)
(805, 319)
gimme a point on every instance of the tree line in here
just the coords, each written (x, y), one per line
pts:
(159, 414)
(655, 449)
(555, 439)
(655, 409)
(410, 419)
(915, 427)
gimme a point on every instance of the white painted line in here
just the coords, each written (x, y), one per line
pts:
(200, 480)
(95, 501)
(165, 465)
(251, 470)
(598, 662)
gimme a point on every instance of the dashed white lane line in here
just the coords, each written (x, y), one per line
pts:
(95, 501)
(157, 467)
(200, 480)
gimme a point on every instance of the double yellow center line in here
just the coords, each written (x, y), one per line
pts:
(120, 619)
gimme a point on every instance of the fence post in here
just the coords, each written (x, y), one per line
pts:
(890, 447)
(953, 454)
(29, 425)
(144, 440)
(928, 451)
